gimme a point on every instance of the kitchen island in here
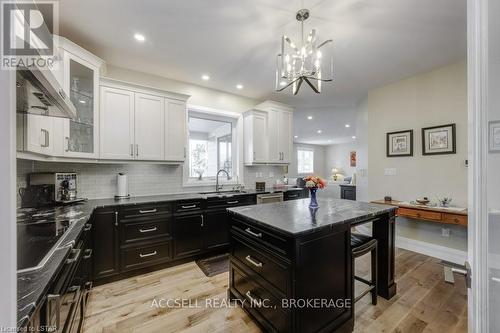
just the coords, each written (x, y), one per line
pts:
(291, 266)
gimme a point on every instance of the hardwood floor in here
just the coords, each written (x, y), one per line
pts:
(424, 302)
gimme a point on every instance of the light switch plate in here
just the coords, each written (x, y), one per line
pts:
(445, 232)
(390, 172)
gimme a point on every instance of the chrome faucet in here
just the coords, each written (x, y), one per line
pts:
(217, 188)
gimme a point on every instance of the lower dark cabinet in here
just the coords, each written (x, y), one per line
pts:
(348, 192)
(105, 246)
(216, 233)
(188, 235)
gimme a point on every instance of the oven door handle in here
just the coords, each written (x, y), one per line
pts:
(51, 298)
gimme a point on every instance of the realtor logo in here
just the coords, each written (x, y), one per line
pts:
(27, 34)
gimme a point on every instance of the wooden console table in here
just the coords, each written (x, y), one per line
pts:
(433, 214)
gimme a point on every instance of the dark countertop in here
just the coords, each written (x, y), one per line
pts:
(32, 285)
(294, 218)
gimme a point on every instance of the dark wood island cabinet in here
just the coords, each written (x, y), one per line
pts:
(290, 266)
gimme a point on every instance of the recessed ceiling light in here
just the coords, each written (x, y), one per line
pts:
(295, 136)
(310, 117)
(354, 137)
(82, 101)
(139, 37)
(347, 125)
(205, 77)
(239, 86)
(319, 131)
(283, 83)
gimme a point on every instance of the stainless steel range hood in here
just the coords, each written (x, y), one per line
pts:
(38, 92)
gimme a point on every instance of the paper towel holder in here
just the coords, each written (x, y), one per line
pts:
(122, 186)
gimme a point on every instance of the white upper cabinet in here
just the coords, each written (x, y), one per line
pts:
(141, 124)
(255, 137)
(80, 78)
(117, 140)
(268, 134)
(175, 130)
(149, 127)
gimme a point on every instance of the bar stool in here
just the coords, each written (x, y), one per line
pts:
(361, 245)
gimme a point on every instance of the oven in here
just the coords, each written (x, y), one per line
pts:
(67, 299)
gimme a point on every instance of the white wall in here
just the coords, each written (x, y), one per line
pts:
(362, 154)
(337, 156)
(435, 98)
(319, 161)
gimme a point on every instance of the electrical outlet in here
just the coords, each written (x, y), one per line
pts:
(390, 172)
(445, 232)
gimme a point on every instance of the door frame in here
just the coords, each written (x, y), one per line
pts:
(477, 61)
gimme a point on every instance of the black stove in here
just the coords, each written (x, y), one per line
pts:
(38, 230)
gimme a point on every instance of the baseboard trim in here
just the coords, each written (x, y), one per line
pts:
(432, 250)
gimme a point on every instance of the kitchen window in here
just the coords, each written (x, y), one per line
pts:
(305, 161)
(211, 147)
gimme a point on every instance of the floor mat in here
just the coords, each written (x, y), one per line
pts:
(214, 265)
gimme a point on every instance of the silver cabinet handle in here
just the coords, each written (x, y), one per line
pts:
(88, 226)
(253, 233)
(76, 290)
(46, 140)
(67, 143)
(76, 254)
(232, 202)
(495, 279)
(148, 254)
(188, 207)
(148, 211)
(116, 219)
(136, 150)
(87, 254)
(253, 262)
(184, 152)
(293, 195)
(51, 298)
(253, 300)
(148, 230)
(202, 220)
(131, 149)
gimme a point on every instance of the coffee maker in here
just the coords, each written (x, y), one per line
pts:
(50, 188)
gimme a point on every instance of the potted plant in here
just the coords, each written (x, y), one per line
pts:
(313, 183)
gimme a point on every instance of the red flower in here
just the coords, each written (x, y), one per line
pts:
(315, 182)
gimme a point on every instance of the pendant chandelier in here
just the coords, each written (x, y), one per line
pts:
(305, 63)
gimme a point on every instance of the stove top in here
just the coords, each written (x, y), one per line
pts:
(38, 230)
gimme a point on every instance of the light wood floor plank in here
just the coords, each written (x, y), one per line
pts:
(424, 302)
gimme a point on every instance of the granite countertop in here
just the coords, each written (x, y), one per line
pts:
(32, 285)
(294, 218)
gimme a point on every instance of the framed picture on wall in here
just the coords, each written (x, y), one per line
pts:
(352, 158)
(400, 143)
(495, 136)
(439, 140)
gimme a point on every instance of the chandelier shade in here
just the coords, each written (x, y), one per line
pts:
(306, 62)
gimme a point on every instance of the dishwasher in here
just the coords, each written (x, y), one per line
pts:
(269, 198)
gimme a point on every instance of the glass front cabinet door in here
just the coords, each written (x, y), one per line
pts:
(81, 81)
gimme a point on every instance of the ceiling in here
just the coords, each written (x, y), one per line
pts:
(375, 41)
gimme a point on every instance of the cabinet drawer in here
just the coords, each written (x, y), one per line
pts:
(188, 206)
(147, 210)
(265, 307)
(455, 219)
(145, 255)
(420, 214)
(273, 242)
(270, 268)
(137, 231)
(235, 201)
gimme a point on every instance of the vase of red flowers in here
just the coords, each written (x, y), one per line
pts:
(313, 183)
